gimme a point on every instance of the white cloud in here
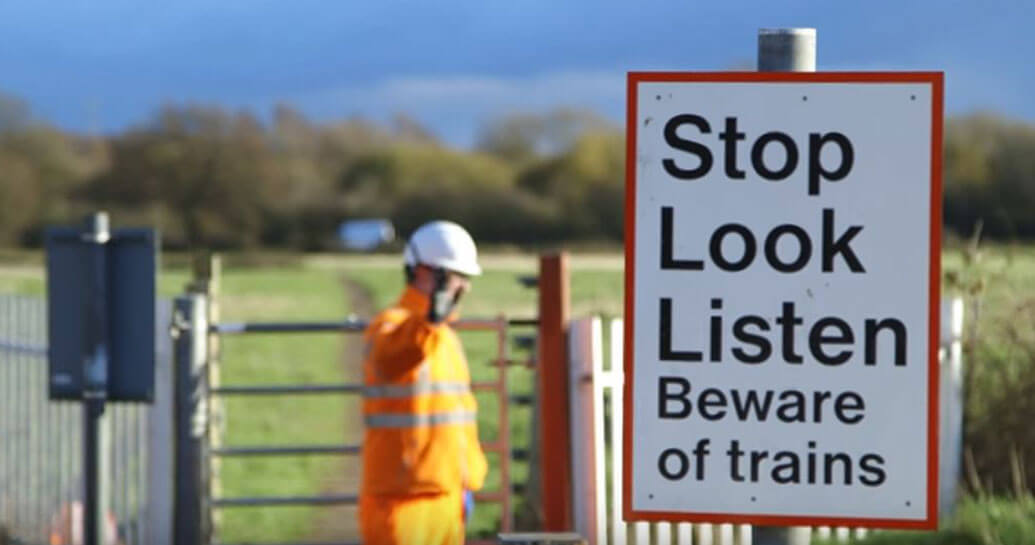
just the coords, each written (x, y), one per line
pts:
(456, 106)
(488, 91)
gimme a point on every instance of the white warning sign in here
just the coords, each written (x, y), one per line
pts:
(782, 298)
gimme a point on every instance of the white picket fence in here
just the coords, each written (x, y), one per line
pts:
(596, 423)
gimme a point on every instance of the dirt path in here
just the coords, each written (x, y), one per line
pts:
(338, 523)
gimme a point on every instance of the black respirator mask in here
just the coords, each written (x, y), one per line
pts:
(442, 302)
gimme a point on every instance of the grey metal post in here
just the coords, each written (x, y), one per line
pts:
(787, 50)
(191, 509)
(162, 433)
(784, 50)
(95, 382)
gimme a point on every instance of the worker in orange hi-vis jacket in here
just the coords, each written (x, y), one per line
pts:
(421, 455)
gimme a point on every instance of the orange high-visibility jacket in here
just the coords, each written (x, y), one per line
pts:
(421, 431)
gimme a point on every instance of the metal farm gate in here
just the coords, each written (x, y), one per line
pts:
(199, 392)
(41, 477)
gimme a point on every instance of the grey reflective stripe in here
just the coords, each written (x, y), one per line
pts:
(405, 420)
(415, 389)
(424, 372)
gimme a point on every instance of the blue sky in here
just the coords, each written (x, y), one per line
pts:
(103, 66)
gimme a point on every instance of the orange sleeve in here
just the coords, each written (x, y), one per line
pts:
(398, 346)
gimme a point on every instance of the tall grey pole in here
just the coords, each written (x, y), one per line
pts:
(192, 523)
(784, 50)
(95, 381)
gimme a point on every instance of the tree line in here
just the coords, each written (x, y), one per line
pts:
(209, 177)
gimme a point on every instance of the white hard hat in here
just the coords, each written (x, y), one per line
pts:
(443, 244)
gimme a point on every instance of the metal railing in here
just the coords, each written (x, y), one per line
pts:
(195, 500)
(41, 450)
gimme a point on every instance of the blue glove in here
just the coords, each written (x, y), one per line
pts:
(468, 504)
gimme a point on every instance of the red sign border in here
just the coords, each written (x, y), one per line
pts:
(936, 80)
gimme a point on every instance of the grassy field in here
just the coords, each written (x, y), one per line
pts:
(293, 294)
(978, 521)
(331, 287)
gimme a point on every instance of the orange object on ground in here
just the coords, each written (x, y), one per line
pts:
(66, 526)
(420, 446)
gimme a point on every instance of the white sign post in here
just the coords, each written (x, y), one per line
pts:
(782, 298)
